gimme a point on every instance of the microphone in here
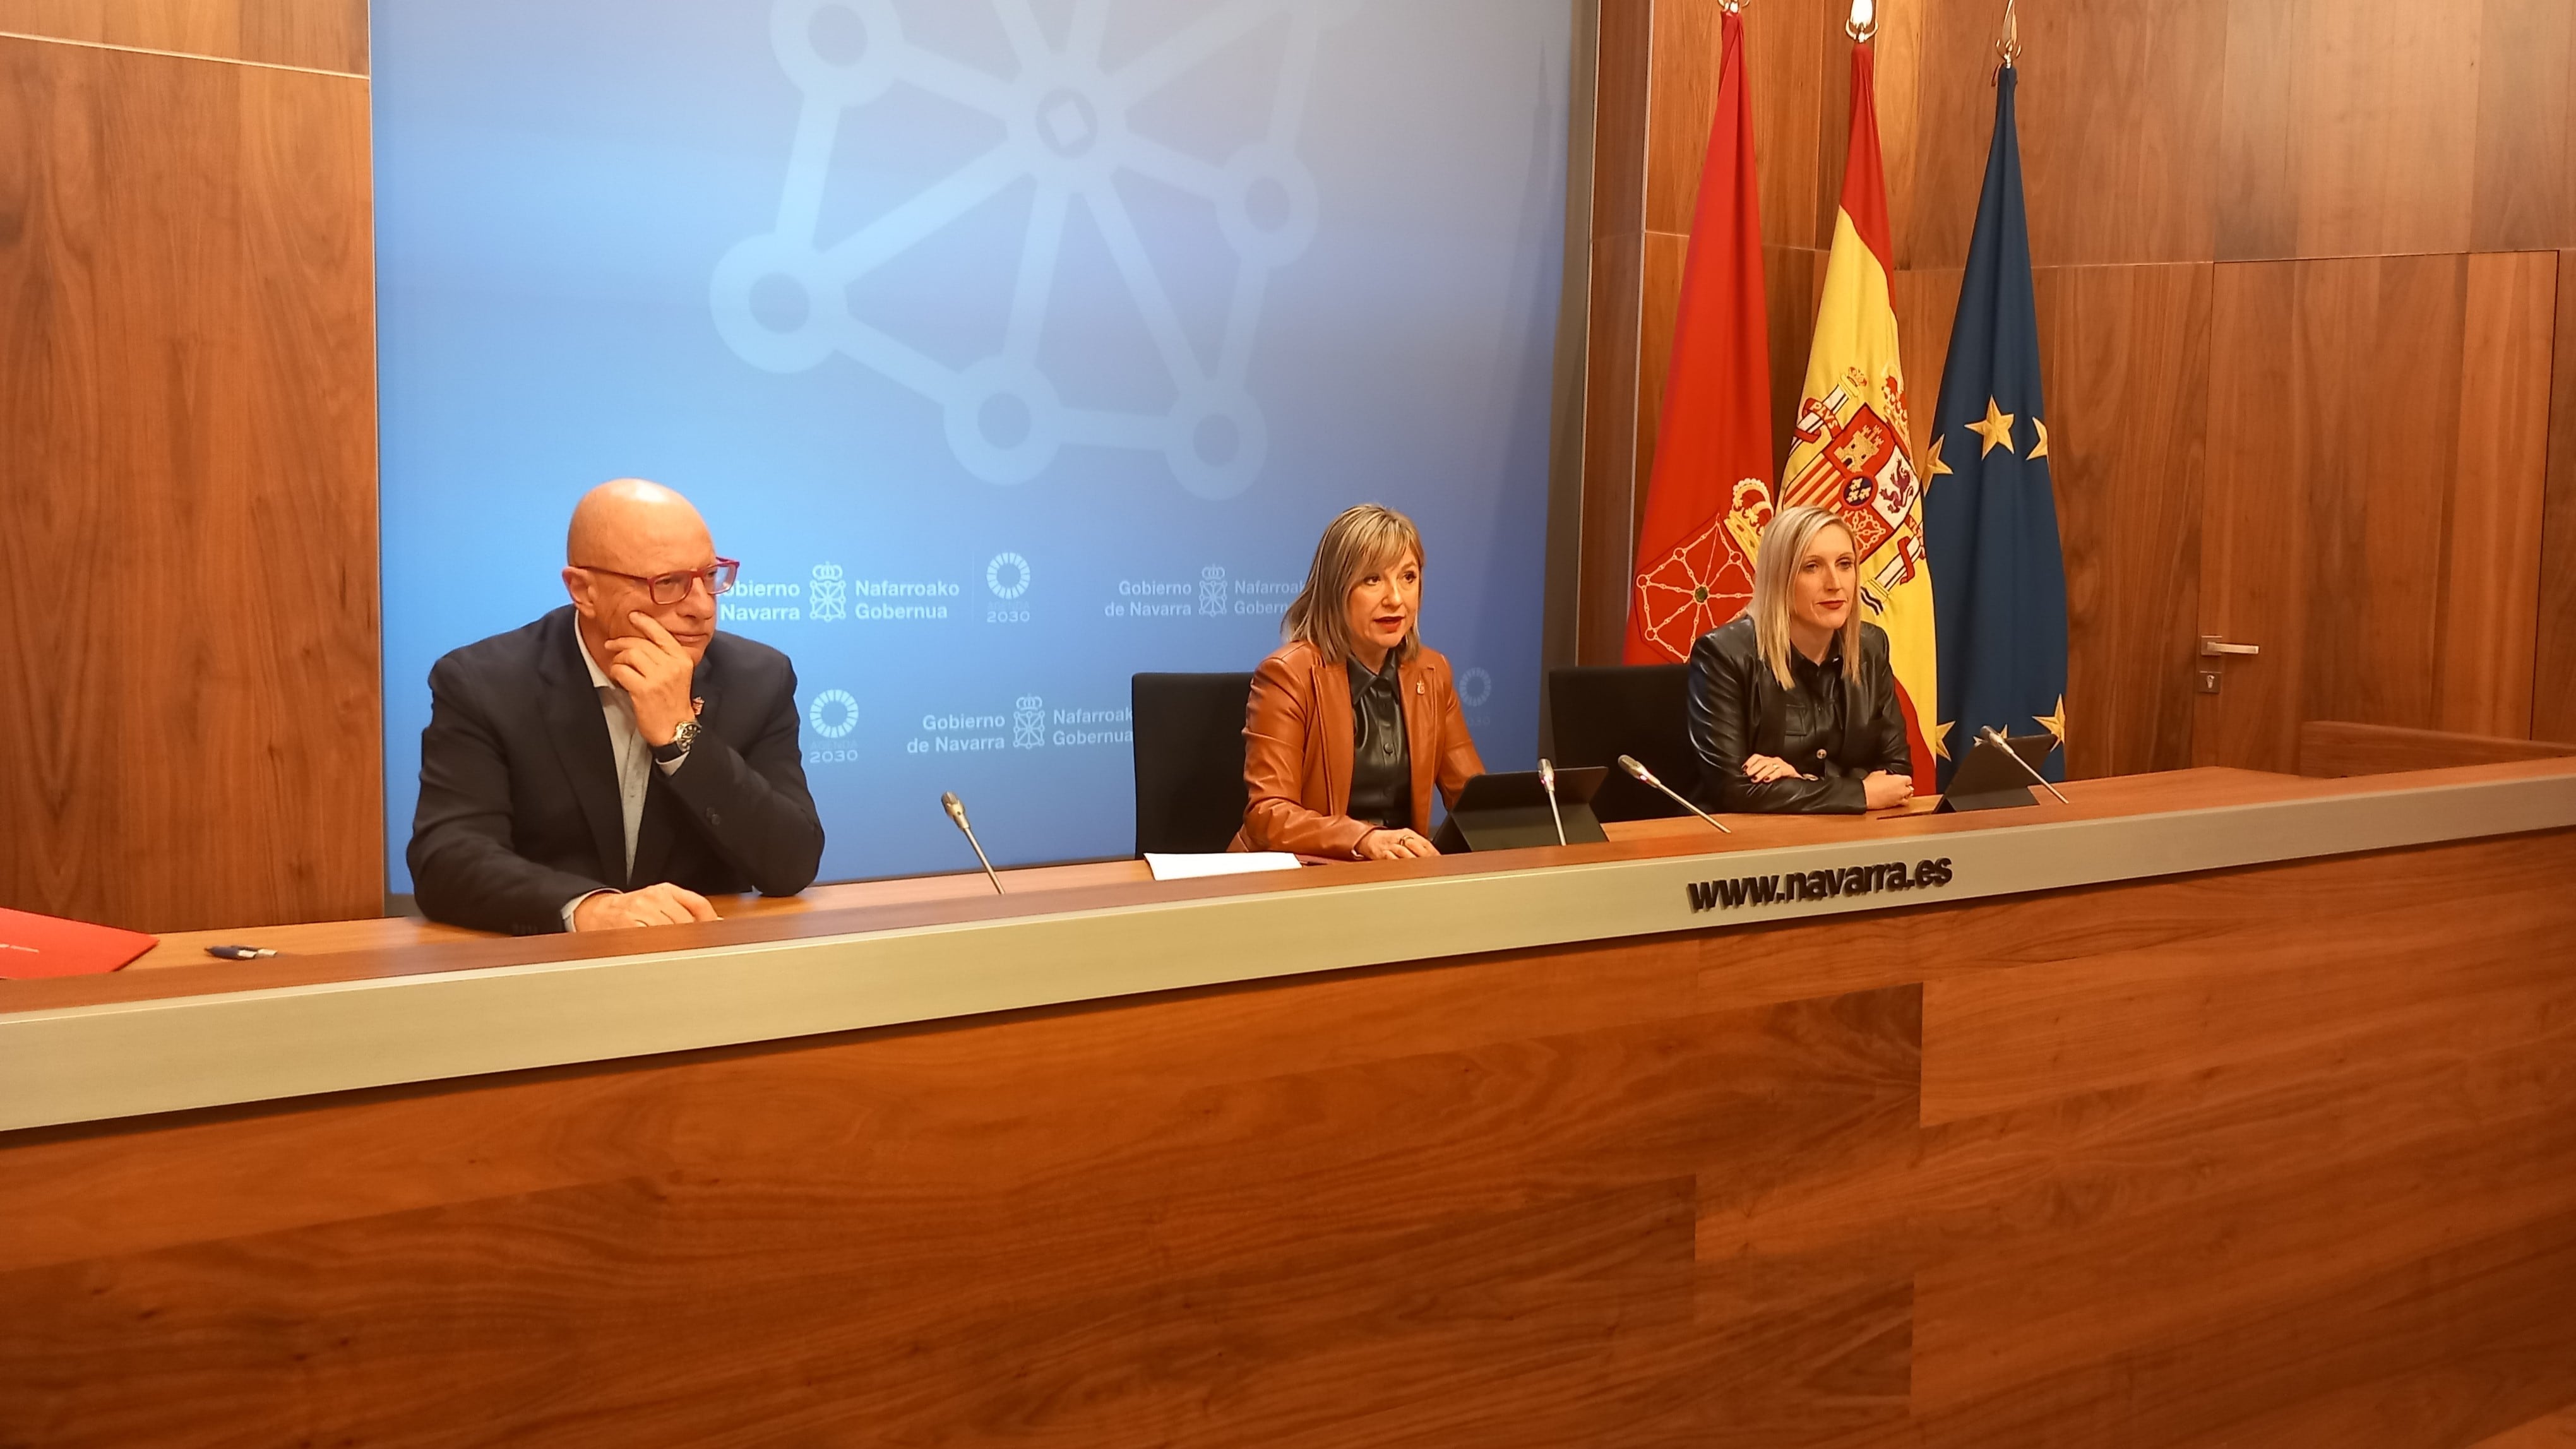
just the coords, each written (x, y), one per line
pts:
(956, 809)
(1629, 764)
(1547, 782)
(1995, 737)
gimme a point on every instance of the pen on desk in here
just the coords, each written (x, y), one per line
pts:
(240, 953)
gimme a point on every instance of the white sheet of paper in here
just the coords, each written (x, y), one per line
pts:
(1223, 862)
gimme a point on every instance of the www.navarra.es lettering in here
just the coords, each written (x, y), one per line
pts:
(1818, 885)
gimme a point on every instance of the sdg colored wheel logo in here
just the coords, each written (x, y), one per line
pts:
(834, 714)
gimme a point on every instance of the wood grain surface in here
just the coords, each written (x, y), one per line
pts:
(2526, 181)
(387, 947)
(2255, 525)
(2489, 616)
(2417, 151)
(2331, 749)
(2552, 1431)
(2553, 698)
(2127, 386)
(189, 673)
(326, 35)
(2273, 1156)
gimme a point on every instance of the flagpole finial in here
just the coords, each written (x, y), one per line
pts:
(1864, 21)
(2008, 44)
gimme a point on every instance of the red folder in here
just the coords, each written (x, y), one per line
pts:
(33, 945)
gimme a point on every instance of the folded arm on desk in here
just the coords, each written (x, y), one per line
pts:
(1722, 712)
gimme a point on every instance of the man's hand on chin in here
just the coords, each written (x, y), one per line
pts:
(655, 672)
(655, 905)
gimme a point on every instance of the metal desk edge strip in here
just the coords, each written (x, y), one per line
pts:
(94, 1063)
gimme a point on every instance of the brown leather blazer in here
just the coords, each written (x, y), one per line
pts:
(1297, 742)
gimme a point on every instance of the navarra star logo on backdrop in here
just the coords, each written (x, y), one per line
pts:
(1212, 591)
(1028, 723)
(828, 597)
(782, 299)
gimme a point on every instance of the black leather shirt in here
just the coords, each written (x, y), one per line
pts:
(1381, 755)
(1836, 729)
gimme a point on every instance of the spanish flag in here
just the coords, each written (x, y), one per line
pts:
(1850, 452)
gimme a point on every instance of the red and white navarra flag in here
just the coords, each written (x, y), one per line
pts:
(1710, 494)
(1850, 452)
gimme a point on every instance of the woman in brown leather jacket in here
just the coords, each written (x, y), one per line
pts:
(1352, 722)
(1793, 705)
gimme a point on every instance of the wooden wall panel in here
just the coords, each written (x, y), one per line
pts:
(188, 422)
(1793, 283)
(2375, 403)
(2254, 509)
(2352, 128)
(1798, 66)
(2553, 703)
(2414, 135)
(2526, 179)
(1658, 312)
(1927, 304)
(2125, 364)
(1621, 83)
(2119, 123)
(2334, 432)
(2491, 580)
(1684, 46)
(315, 34)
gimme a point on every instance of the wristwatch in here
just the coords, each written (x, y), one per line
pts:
(681, 739)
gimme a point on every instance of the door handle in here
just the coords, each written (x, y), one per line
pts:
(2212, 647)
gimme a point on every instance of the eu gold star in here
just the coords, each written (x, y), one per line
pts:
(2040, 448)
(1933, 467)
(2055, 723)
(1996, 429)
(1940, 740)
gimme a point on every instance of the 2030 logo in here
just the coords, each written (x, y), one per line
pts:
(1008, 576)
(833, 714)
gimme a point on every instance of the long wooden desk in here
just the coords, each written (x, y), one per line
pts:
(2209, 1108)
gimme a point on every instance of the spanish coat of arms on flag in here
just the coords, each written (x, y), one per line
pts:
(1850, 452)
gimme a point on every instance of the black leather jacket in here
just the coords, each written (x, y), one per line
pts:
(1838, 730)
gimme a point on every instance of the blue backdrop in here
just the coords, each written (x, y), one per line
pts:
(1013, 346)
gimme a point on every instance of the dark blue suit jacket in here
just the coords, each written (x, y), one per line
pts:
(518, 785)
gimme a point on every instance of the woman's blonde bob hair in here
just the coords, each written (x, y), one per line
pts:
(1365, 540)
(1775, 577)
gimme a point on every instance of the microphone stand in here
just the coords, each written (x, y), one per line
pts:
(1547, 782)
(956, 809)
(1646, 776)
(1996, 738)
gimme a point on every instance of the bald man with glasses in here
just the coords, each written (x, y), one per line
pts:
(618, 761)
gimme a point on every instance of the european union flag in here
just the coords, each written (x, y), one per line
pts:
(1989, 520)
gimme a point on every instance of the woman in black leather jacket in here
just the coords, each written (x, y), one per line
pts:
(1793, 705)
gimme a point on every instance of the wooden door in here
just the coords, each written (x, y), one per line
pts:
(2377, 441)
